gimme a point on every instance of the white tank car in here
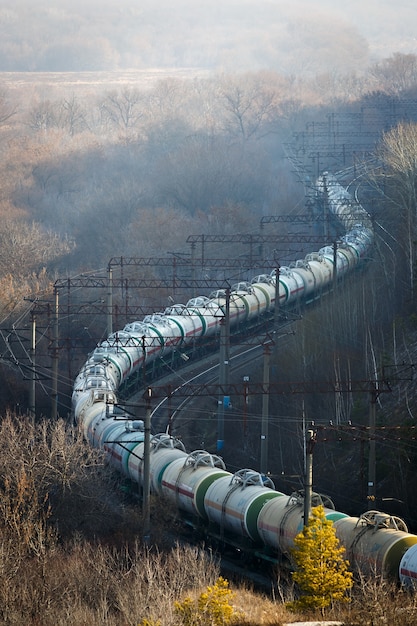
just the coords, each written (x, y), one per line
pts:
(121, 440)
(237, 308)
(189, 324)
(203, 309)
(408, 569)
(185, 481)
(265, 283)
(164, 450)
(375, 542)
(233, 502)
(254, 301)
(169, 334)
(316, 260)
(311, 279)
(282, 519)
(291, 285)
(342, 260)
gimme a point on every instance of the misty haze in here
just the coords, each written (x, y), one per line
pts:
(297, 38)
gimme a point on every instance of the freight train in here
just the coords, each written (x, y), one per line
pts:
(241, 509)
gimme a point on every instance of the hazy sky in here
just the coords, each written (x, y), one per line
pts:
(291, 37)
(387, 25)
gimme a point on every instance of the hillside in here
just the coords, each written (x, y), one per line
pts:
(127, 166)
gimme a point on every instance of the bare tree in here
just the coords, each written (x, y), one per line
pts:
(67, 114)
(42, 116)
(73, 116)
(398, 152)
(7, 108)
(27, 247)
(397, 73)
(250, 107)
(123, 110)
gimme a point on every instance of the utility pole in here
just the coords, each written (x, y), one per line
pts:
(109, 300)
(146, 469)
(372, 451)
(224, 371)
(55, 357)
(32, 354)
(276, 304)
(265, 410)
(334, 266)
(308, 483)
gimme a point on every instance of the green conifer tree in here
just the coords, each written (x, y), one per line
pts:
(322, 572)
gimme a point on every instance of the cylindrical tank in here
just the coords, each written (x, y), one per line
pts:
(374, 542)
(196, 307)
(234, 502)
(214, 315)
(238, 308)
(125, 348)
(329, 268)
(342, 260)
(319, 271)
(318, 264)
(265, 283)
(408, 568)
(293, 285)
(302, 269)
(161, 454)
(135, 461)
(349, 254)
(168, 332)
(282, 519)
(89, 412)
(99, 426)
(188, 325)
(159, 461)
(121, 440)
(279, 522)
(186, 481)
(263, 293)
(254, 301)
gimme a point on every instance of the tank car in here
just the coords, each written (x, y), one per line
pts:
(186, 481)
(408, 568)
(233, 503)
(164, 450)
(291, 285)
(375, 542)
(302, 270)
(244, 506)
(282, 519)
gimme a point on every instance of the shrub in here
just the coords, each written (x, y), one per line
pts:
(212, 607)
(322, 571)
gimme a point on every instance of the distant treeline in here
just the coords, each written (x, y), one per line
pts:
(87, 36)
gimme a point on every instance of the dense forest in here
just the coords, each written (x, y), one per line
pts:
(89, 173)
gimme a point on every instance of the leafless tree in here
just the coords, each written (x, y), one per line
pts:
(398, 152)
(124, 109)
(250, 106)
(42, 116)
(27, 247)
(397, 73)
(73, 115)
(7, 108)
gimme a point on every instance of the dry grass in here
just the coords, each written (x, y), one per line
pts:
(70, 555)
(260, 609)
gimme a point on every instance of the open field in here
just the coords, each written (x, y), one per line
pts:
(82, 81)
